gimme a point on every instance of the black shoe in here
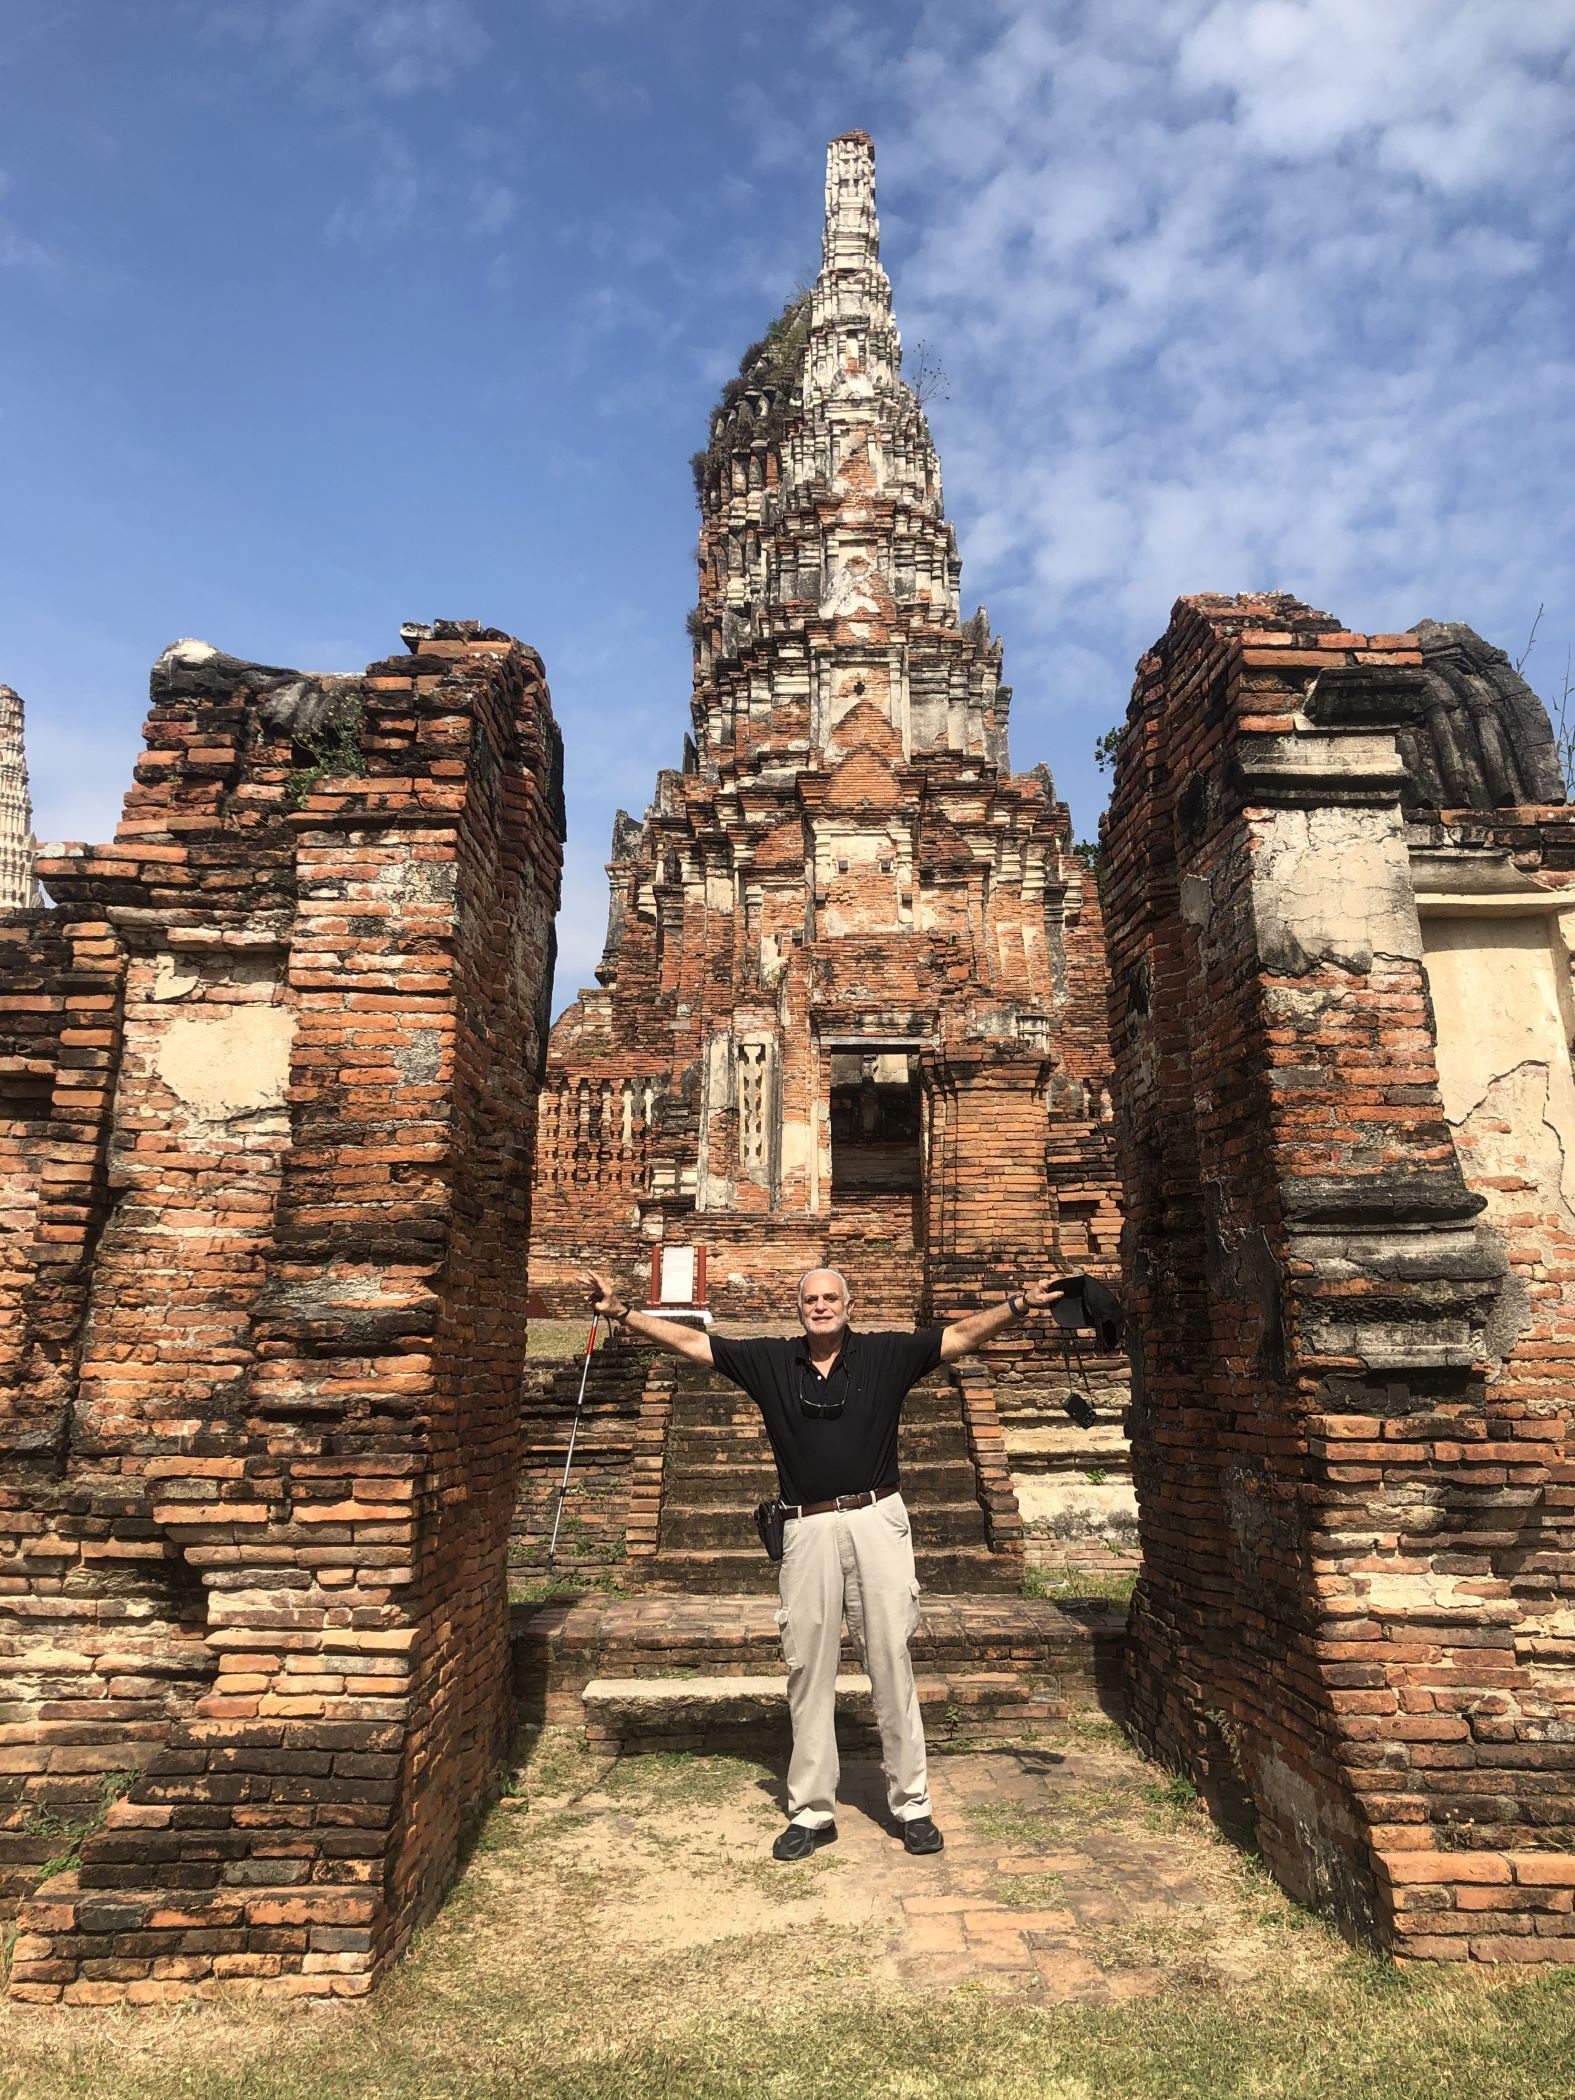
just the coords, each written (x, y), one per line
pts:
(921, 1835)
(799, 1840)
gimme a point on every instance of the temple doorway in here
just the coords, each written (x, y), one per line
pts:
(877, 1143)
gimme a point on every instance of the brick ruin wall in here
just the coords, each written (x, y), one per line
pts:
(268, 1073)
(1337, 873)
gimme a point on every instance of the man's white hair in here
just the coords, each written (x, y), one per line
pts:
(820, 1269)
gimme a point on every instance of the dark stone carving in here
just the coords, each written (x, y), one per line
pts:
(1471, 732)
(1485, 740)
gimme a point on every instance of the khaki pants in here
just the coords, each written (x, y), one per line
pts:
(859, 1561)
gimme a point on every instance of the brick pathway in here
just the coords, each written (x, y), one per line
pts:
(1055, 1917)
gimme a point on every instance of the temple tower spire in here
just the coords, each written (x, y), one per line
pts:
(829, 575)
(845, 939)
(18, 884)
(852, 283)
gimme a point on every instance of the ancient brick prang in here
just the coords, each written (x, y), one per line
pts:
(851, 1002)
(18, 883)
(271, 1073)
(1341, 1014)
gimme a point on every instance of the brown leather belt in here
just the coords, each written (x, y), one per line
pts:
(819, 1509)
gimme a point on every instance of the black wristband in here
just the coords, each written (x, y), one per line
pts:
(1018, 1301)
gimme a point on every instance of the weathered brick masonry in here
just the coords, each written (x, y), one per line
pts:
(851, 1004)
(1336, 880)
(18, 883)
(270, 1072)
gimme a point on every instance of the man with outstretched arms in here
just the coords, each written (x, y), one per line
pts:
(831, 1399)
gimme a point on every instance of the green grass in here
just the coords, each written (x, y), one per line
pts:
(1168, 1803)
(1012, 1823)
(72, 1826)
(1066, 1585)
(564, 1582)
(669, 1778)
(438, 2034)
(1094, 1730)
(1030, 1891)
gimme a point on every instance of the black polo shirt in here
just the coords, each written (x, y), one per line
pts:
(820, 1457)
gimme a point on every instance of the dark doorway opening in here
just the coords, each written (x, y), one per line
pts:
(876, 1129)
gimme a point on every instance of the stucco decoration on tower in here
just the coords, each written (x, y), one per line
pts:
(828, 572)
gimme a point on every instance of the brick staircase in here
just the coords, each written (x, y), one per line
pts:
(718, 1466)
(594, 1513)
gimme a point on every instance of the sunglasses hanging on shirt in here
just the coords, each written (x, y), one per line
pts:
(819, 1405)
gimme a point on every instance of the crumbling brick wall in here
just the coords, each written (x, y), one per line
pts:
(274, 1059)
(1349, 1266)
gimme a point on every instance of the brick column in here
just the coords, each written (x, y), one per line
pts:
(1340, 1490)
(986, 1199)
(296, 1410)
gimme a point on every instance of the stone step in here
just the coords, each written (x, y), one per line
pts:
(635, 1715)
(541, 1438)
(642, 1635)
(1069, 1654)
(736, 1435)
(611, 1372)
(684, 1527)
(946, 1569)
(706, 1460)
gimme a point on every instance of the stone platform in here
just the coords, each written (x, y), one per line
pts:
(654, 1672)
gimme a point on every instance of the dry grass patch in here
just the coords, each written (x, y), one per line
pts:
(621, 1935)
(564, 1339)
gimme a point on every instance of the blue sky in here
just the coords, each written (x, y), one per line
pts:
(320, 315)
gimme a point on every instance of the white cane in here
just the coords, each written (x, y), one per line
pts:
(563, 1487)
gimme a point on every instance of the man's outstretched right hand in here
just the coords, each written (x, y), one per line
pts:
(603, 1293)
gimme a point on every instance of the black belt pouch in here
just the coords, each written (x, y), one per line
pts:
(772, 1526)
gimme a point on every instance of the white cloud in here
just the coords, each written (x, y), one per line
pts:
(414, 45)
(605, 12)
(343, 52)
(1243, 293)
(353, 63)
(493, 205)
(1456, 94)
(613, 93)
(18, 250)
(393, 197)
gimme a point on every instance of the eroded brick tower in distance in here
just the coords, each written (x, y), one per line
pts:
(18, 883)
(850, 1007)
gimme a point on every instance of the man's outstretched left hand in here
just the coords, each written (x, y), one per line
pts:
(1043, 1294)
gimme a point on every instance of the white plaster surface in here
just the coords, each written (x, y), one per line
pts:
(1076, 1509)
(1501, 1003)
(1336, 883)
(227, 1061)
(174, 978)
